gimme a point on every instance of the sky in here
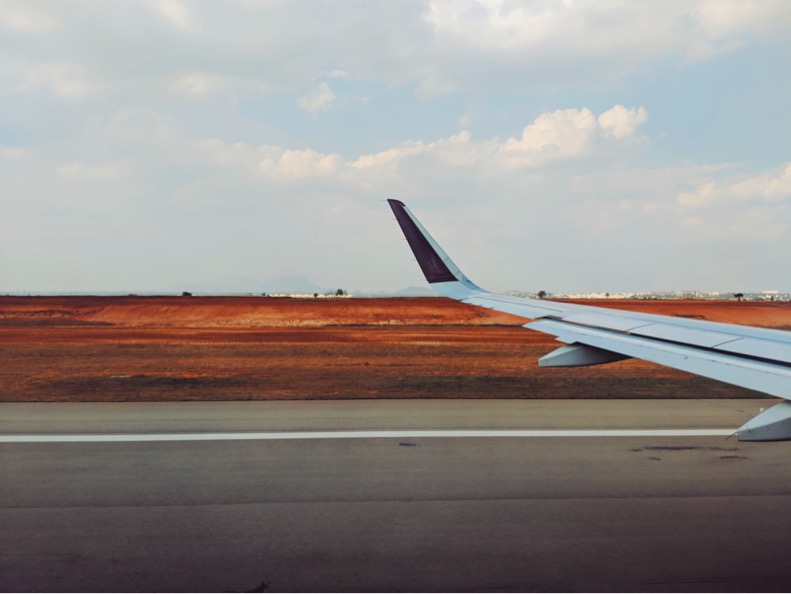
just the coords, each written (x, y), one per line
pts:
(564, 146)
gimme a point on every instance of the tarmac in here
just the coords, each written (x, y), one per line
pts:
(408, 512)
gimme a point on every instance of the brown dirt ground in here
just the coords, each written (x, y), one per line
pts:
(232, 348)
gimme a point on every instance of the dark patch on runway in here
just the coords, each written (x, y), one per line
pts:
(683, 448)
(262, 587)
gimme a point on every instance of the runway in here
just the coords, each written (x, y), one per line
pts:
(400, 512)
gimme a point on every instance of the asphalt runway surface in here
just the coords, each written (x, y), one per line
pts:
(586, 512)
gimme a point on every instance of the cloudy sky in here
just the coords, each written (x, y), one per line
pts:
(575, 145)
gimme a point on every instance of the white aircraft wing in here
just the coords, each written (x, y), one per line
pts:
(755, 358)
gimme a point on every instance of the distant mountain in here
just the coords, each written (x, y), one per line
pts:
(293, 284)
(407, 292)
(416, 292)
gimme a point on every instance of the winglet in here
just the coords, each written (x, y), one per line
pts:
(437, 267)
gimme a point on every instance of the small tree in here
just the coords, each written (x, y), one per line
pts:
(340, 293)
(542, 294)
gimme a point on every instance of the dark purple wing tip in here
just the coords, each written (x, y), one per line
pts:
(434, 269)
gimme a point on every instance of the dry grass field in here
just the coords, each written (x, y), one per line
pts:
(105, 349)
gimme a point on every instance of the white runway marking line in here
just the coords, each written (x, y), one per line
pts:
(304, 435)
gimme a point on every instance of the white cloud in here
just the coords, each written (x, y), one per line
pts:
(621, 122)
(93, 173)
(64, 78)
(585, 40)
(203, 84)
(722, 18)
(435, 83)
(725, 25)
(26, 18)
(569, 133)
(389, 158)
(317, 99)
(439, 47)
(458, 150)
(495, 24)
(178, 14)
(473, 113)
(557, 135)
(752, 208)
(702, 195)
(335, 73)
(765, 187)
(197, 83)
(701, 49)
(301, 164)
(12, 152)
(600, 24)
(406, 168)
(153, 142)
(552, 137)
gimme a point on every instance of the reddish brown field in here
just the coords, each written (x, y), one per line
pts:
(227, 348)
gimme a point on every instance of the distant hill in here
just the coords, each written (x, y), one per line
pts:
(407, 292)
(295, 284)
(416, 292)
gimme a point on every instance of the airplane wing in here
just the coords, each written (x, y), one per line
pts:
(755, 358)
